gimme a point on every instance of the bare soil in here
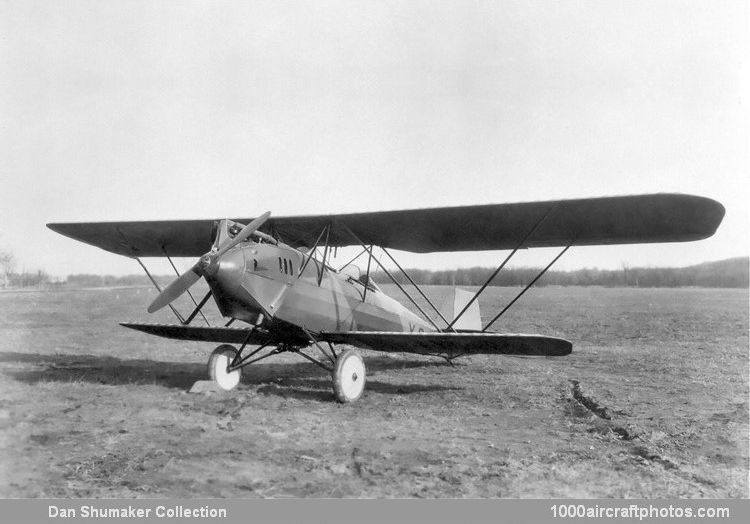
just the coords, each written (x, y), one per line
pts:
(652, 403)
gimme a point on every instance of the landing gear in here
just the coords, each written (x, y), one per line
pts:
(218, 364)
(348, 369)
(349, 376)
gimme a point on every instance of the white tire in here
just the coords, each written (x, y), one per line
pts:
(349, 376)
(218, 363)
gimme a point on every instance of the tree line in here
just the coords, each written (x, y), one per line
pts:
(729, 273)
(10, 278)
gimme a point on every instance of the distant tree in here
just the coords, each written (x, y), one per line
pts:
(85, 280)
(7, 263)
(625, 275)
(7, 266)
(28, 279)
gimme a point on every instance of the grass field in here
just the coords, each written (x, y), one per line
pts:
(653, 402)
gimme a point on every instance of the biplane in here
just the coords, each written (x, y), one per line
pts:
(273, 280)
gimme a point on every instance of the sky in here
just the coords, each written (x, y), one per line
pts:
(139, 110)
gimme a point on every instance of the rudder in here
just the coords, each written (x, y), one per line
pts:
(457, 300)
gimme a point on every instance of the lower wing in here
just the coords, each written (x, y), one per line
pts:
(225, 335)
(452, 344)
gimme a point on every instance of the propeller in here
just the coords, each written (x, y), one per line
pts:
(182, 283)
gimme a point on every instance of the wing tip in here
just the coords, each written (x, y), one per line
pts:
(708, 215)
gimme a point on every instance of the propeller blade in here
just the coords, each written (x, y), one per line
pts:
(243, 234)
(176, 288)
(188, 278)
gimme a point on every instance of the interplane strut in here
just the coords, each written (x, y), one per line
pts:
(198, 309)
(502, 265)
(385, 270)
(542, 272)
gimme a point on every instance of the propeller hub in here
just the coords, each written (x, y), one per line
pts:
(205, 262)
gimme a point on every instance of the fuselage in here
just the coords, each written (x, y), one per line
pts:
(261, 282)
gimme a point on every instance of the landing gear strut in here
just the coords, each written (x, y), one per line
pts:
(348, 372)
(349, 376)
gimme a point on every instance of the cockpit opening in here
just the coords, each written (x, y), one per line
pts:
(355, 274)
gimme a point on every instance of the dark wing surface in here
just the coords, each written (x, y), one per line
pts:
(450, 344)
(587, 221)
(453, 344)
(178, 238)
(202, 333)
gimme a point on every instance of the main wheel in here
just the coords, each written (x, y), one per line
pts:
(218, 363)
(349, 376)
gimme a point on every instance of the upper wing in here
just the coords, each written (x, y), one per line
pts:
(588, 221)
(453, 344)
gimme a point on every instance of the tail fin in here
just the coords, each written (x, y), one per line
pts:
(457, 300)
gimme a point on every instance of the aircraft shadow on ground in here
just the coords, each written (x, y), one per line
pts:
(320, 388)
(299, 380)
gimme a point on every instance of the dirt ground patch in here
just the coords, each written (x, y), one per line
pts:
(653, 402)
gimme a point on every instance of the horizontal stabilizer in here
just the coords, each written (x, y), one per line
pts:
(202, 333)
(453, 344)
